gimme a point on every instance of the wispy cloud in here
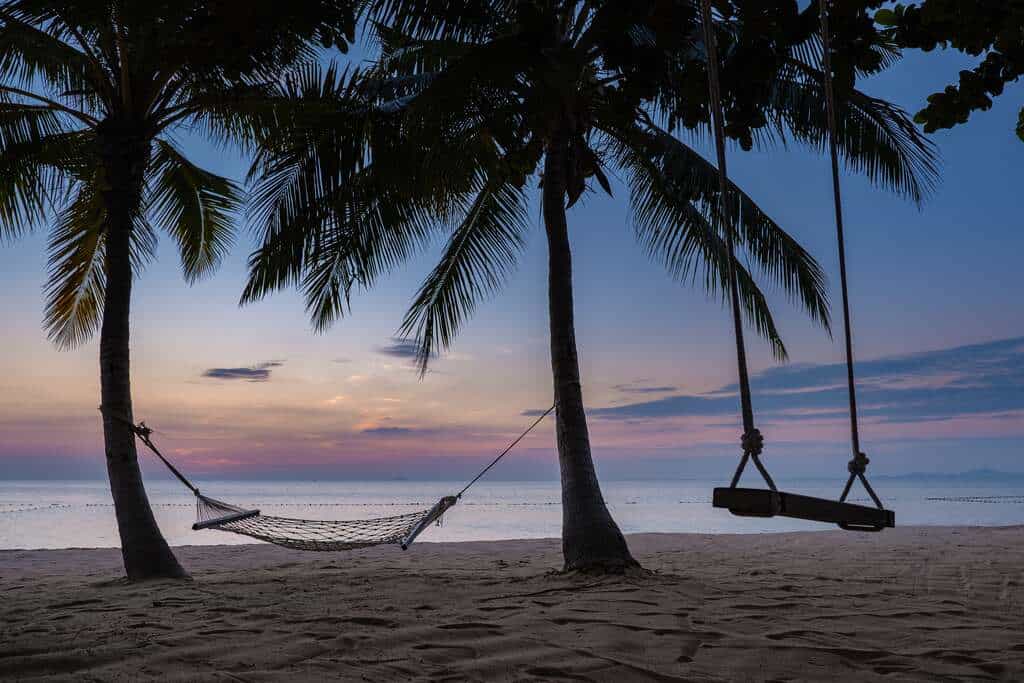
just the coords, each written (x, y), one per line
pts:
(641, 386)
(399, 348)
(534, 412)
(935, 385)
(395, 431)
(254, 373)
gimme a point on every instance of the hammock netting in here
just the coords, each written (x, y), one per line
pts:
(309, 534)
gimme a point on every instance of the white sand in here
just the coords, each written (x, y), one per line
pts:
(916, 603)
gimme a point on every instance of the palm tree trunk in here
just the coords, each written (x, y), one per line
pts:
(145, 553)
(591, 541)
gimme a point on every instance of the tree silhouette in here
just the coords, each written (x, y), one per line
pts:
(91, 93)
(471, 103)
(993, 31)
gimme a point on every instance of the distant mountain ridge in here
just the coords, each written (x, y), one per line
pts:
(969, 475)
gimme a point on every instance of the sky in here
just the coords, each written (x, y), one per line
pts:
(254, 392)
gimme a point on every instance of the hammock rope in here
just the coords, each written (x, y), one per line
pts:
(310, 534)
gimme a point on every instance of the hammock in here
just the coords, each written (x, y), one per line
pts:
(312, 534)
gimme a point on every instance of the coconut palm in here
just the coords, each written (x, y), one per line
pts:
(91, 94)
(470, 103)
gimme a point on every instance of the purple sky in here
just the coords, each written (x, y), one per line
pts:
(936, 295)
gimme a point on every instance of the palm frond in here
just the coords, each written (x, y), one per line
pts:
(349, 236)
(875, 138)
(22, 122)
(402, 54)
(673, 195)
(77, 279)
(476, 261)
(38, 159)
(196, 207)
(450, 19)
(336, 202)
(37, 54)
(681, 174)
(234, 113)
(371, 229)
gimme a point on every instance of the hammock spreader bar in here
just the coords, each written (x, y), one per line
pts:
(225, 519)
(309, 534)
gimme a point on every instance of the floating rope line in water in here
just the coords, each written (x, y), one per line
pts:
(1013, 500)
(37, 508)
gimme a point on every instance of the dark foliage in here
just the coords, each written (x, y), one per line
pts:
(992, 30)
(445, 132)
(91, 94)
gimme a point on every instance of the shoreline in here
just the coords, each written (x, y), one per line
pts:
(826, 529)
(915, 603)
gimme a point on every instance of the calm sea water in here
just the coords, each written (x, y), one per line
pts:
(79, 514)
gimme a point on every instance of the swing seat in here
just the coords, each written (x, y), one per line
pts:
(768, 503)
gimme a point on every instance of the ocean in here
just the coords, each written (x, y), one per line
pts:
(53, 514)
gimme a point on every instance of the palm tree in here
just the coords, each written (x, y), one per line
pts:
(90, 96)
(465, 108)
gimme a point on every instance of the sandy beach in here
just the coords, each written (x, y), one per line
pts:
(913, 603)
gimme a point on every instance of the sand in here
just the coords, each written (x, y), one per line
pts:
(915, 603)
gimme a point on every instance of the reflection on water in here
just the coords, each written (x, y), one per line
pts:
(79, 514)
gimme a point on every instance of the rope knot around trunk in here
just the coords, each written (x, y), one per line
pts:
(753, 442)
(858, 464)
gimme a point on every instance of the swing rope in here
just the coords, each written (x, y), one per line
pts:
(859, 462)
(752, 440)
